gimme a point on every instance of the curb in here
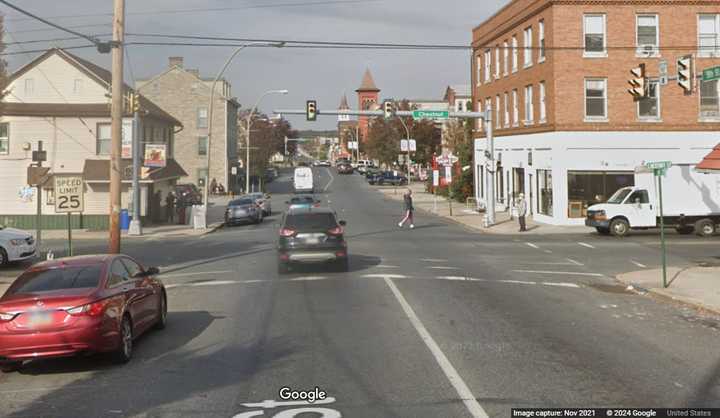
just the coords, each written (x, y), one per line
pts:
(665, 297)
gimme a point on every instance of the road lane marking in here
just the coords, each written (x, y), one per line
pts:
(306, 278)
(641, 265)
(558, 272)
(577, 263)
(434, 260)
(198, 273)
(460, 278)
(443, 268)
(452, 375)
(559, 284)
(585, 244)
(269, 404)
(548, 251)
(530, 244)
(331, 179)
(382, 276)
(517, 281)
(386, 266)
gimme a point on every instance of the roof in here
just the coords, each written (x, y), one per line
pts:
(711, 162)
(367, 84)
(80, 260)
(344, 103)
(98, 171)
(304, 210)
(93, 71)
(462, 90)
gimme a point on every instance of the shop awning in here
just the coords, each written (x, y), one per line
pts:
(98, 171)
(711, 162)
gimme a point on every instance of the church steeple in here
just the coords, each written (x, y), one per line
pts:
(344, 106)
(367, 84)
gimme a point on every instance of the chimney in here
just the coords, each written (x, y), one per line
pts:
(175, 62)
(194, 72)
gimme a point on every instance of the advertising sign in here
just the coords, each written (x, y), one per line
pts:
(155, 155)
(69, 193)
(448, 174)
(413, 145)
(127, 139)
(436, 178)
(403, 145)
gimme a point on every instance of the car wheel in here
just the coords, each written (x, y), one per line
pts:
(162, 320)
(123, 354)
(619, 227)
(3, 257)
(603, 231)
(11, 366)
(283, 268)
(705, 228)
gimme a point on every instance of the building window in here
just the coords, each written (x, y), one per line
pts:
(709, 103)
(4, 138)
(488, 106)
(202, 117)
(478, 70)
(488, 63)
(515, 111)
(709, 35)
(541, 40)
(497, 61)
(595, 42)
(103, 138)
(498, 122)
(596, 99)
(514, 54)
(479, 121)
(545, 198)
(78, 86)
(29, 87)
(649, 106)
(543, 108)
(202, 145)
(529, 109)
(506, 110)
(648, 35)
(506, 58)
(527, 55)
(586, 188)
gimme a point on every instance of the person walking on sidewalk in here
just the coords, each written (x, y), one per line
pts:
(170, 207)
(407, 198)
(522, 211)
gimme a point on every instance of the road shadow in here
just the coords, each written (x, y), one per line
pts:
(358, 262)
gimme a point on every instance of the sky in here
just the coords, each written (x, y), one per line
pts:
(322, 75)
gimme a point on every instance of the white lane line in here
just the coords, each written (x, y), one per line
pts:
(585, 244)
(548, 251)
(460, 386)
(434, 260)
(306, 279)
(460, 278)
(386, 266)
(558, 272)
(577, 263)
(558, 284)
(331, 179)
(641, 265)
(198, 273)
(443, 268)
(382, 276)
(516, 281)
(530, 244)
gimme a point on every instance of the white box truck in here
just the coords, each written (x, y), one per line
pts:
(691, 203)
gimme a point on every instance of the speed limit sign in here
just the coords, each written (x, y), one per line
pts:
(69, 193)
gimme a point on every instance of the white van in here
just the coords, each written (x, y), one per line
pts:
(303, 180)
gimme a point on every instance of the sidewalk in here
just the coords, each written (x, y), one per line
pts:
(697, 286)
(470, 217)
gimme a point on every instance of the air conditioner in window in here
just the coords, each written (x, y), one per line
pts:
(647, 50)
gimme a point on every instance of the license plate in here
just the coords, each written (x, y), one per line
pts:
(40, 319)
(313, 238)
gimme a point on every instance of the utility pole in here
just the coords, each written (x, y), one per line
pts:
(116, 115)
(136, 224)
(38, 218)
(490, 198)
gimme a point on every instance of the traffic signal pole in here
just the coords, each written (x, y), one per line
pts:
(136, 224)
(490, 178)
(116, 126)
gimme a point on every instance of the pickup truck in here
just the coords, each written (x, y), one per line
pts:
(388, 178)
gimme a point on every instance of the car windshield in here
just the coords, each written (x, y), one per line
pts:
(302, 199)
(310, 221)
(75, 277)
(619, 196)
(241, 202)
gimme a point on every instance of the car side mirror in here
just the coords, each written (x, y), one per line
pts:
(152, 271)
(342, 223)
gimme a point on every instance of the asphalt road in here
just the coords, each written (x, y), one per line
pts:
(433, 322)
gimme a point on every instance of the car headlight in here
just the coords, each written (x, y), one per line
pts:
(17, 241)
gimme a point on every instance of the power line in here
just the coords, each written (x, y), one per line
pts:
(218, 9)
(39, 51)
(306, 46)
(96, 25)
(37, 41)
(49, 23)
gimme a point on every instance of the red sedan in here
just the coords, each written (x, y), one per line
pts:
(97, 303)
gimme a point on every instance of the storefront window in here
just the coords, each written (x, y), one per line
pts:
(586, 188)
(545, 203)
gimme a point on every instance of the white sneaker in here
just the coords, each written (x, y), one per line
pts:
(400, 224)
(412, 226)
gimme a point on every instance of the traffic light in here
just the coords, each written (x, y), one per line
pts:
(686, 73)
(388, 109)
(638, 84)
(135, 102)
(311, 110)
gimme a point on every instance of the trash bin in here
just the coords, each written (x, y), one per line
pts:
(124, 219)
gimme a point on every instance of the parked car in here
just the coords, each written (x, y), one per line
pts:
(345, 168)
(322, 163)
(263, 201)
(303, 202)
(312, 236)
(364, 165)
(187, 195)
(16, 245)
(389, 178)
(243, 209)
(340, 161)
(67, 306)
(371, 172)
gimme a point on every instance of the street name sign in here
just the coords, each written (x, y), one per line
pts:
(658, 165)
(69, 193)
(712, 73)
(431, 114)
(663, 70)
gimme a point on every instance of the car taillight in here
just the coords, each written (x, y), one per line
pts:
(91, 309)
(6, 317)
(335, 231)
(285, 232)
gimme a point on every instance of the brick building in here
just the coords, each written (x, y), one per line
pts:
(554, 75)
(186, 96)
(348, 129)
(368, 99)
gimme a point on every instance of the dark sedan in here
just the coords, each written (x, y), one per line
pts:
(345, 168)
(67, 306)
(243, 210)
(312, 236)
(388, 178)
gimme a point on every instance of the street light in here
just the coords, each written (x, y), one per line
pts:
(247, 137)
(210, 115)
(407, 132)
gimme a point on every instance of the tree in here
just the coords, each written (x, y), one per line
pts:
(383, 142)
(267, 137)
